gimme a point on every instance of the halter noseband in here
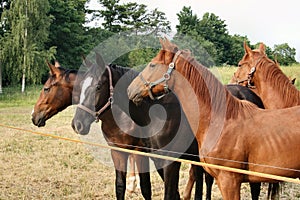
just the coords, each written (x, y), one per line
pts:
(163, 79)
(108, 103)
(250, 76)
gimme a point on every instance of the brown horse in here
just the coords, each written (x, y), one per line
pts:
(230, 132)
(257, 71)
(58, 93)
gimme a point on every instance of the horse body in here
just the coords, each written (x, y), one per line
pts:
(229, 132)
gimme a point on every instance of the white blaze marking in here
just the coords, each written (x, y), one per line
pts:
(87, 82)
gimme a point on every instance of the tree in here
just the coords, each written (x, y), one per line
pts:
(284, 54)
(67, 32)
(187, 20)
(213, 29)
(23, 46)
(132, 17)
(188, 37)
(236, 51)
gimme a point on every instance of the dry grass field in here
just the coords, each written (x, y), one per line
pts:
(39, 167)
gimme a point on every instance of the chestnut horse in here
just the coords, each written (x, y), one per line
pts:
(58, 93)
(230, 132)
(257, 71)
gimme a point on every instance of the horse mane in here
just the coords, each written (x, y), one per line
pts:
(65, 73)
(200, 77)
(130, 73)
(274, 75)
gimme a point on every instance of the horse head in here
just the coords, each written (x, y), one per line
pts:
(95, 96)
(247, 65)
(55, 96)
(155, 79)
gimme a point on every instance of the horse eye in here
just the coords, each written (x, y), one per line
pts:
(98, 87)
(46, 89)
(152, 65)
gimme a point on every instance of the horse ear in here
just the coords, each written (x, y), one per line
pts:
(293, 81)
(262, 48)
(99, 60)
(162, 42)
(247, 49)
(56, 64)
(53, 70)
(86, 61)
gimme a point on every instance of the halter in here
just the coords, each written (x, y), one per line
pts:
(163, 79)
(249, 77)
(108, 103)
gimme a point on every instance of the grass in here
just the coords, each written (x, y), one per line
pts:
(12, 96)
(36, 167)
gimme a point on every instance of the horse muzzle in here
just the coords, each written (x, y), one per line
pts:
(38, 120)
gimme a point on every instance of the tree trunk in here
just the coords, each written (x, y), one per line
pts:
(25, 47)
(0, 78)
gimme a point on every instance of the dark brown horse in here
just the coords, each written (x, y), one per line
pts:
(257, 71)
(133, 136)
(230, 132)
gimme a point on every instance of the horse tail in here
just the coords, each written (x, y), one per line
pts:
(273, 191)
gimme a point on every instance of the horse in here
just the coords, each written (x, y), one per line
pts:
(239, 91)
(229, 132)
(58, 93)
(258, 72)
(100, 88)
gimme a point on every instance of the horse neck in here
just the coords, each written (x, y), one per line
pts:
(274, 87)
(207, 103)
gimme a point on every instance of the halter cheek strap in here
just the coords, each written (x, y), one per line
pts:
(163, 79)
(108, 103)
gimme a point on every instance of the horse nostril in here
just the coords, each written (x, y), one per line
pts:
(79, 126)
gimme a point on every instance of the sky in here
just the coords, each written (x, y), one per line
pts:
(268, 21)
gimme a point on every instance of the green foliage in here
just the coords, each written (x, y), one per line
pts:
(67, 32)
(187, 21)
(23, 49)
(284, 54)
(132, 17)
(203, 50)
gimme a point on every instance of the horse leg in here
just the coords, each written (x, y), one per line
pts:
(120, 163)
(142, 164)
(190, 184)
(159, 168)
(171, 176)
(229, 184)
(209, 180)
(273, 191)
(131, 179)
(255, 190)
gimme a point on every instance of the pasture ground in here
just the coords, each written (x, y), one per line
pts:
(38, 167)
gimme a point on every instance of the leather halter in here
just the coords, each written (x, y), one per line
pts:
(249, 76)
(108, 103)
(163, 79)
(248, 79)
